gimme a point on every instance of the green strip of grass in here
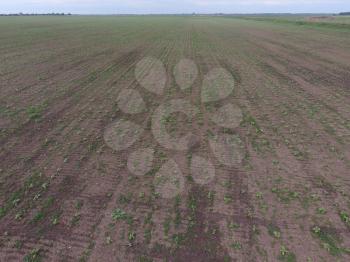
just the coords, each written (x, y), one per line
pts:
(296, 22)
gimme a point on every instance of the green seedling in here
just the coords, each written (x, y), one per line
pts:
(233, 226)
(345, 217)
(227, 199)
(34, 112)
(259, 195)
(131, 236)
(33, 256)
(321, 210)
(286, 255)
(236, 245)
(119, 214)
(274, 231)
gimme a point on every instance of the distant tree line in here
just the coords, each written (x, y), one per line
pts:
(344, 13)
(48, 14)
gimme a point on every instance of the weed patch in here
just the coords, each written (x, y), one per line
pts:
(329, 240)
(33, 256)
(35, 112)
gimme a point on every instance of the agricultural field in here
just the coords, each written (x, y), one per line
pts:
(168, 138)
(334, 21)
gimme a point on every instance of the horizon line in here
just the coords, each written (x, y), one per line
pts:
(193, 13)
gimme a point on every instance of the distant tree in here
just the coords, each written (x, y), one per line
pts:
(36, 14)
(344, 13)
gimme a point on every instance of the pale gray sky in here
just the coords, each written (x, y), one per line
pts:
(173, 6)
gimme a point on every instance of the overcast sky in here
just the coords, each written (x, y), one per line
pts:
(172, 6)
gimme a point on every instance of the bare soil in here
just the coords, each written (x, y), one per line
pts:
(65, 195)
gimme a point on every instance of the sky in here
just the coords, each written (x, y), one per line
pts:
(173, 6)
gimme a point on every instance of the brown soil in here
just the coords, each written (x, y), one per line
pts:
(60, 183)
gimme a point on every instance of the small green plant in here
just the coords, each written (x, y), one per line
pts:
(255, 230)
(252, 122)
(7, 111)
(314, 197)
(2, 212)
(144, 259)
(55, 219)
(142, 195)
(345, 217)
(166, 226)
(131, 236)
(108, 240)
(48, 202)
(19, 215)
(227, 199)
(233, 226)
(284, 194)
(274, 231)
(148, 218)
(18, 244)
(178, 239)
(34, 112)
(125, 199)
(119, 214)
(211, 196)
(33, 256)
(192, 203)
(321, 210)
(316, 229)
(147, 235)
(259, 195)
(227, 258)
(79, 204)
(177, 219)
(236, 245)
(283, 251)
(286, 255)
(75, 220)
(277, 234)
(38, 217)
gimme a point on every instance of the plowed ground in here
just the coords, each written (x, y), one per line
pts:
(60, 183)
